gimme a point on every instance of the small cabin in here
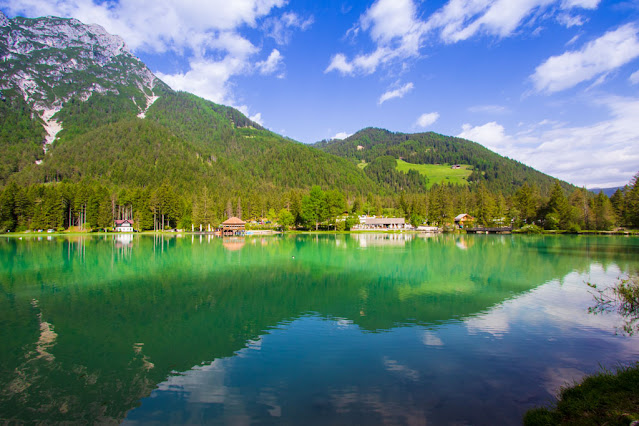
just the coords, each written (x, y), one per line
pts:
(233, 226)
(125, 225)
(455, 166)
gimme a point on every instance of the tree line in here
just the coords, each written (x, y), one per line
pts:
(91, 205)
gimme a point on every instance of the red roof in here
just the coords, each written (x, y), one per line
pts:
(122, 222)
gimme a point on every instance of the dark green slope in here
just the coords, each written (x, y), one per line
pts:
(497, 172)
(21, 135)
(186, 141)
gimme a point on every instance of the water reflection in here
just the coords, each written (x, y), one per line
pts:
(315, 328)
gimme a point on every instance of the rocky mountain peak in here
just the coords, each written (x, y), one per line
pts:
(4, 21)
(41, 55)
(50, 60)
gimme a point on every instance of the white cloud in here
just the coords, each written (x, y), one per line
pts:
(569, 21)
(602, 154)
(340, 63)
(208, 79)
(461, 19)
(257, 118)
(341, 135)
(398, 33)
(595, 59)
(281, 28)
(271, 64)
(154, 25)
(205, 32)
(491, 135)
(427, 119)
(397, 93)
(584, 4)
(634, 77)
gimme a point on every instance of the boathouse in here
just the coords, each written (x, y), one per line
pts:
(233, 226)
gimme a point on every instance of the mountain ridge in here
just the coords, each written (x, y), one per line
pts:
(499, 173)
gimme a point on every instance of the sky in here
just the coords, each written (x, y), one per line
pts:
(553, 84)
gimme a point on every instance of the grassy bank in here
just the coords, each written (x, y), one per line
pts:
(610, 398)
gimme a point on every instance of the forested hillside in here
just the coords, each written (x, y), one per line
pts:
(498, 173)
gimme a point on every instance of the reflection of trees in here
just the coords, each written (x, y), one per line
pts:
(123, 323)
(622, 298)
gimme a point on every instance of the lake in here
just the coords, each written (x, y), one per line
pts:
(302, 329)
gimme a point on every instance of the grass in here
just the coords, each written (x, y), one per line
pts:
(362, 164)
(610, 398)
(438, 173)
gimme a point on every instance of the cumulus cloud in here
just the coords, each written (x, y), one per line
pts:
(270, 64)
(634, 77)
(492, 135)
(595, 59)
(341, 135)
(427, 119)
(207, 79)
(602, 154)
(397, 93)
(398, 33)
(206, 32)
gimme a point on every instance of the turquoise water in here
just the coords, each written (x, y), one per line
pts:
(364, 329)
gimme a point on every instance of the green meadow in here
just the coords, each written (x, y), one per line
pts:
(438, 173)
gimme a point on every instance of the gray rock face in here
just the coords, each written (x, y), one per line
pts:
(50, 60)
(4, 21)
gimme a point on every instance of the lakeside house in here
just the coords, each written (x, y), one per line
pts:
(233, 226)
(381, 223)
(125, 225)
(463, 220)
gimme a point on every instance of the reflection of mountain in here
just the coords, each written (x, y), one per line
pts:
(123, 324)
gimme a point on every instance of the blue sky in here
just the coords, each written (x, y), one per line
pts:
(551, 83)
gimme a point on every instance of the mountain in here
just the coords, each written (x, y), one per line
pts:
(88, 133)
(77, 104)
(607, 191)
(383, 154)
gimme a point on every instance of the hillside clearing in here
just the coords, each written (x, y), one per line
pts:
(438, 173)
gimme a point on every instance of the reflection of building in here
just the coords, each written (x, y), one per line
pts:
(431, 229)
(125, 225)
(381, 223)
(123, 240)
(233, 244)
(372, 240)
(233, 226)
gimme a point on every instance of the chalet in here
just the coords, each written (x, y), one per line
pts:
(233, 226)
(464, 219)
(125, 225)
(455, 166)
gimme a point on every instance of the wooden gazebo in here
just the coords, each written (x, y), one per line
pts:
(233, 226)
